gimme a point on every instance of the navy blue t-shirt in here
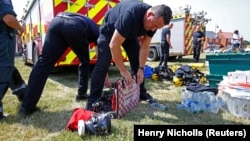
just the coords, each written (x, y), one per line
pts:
(91, 27)
(166, 31)
(6, 7)
(196, 35)
(127, 18)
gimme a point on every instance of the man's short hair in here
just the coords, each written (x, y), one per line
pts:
(236, 31)
(164, 11)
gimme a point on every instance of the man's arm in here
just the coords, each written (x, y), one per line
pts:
(145, 44)
(143, 54)
(168, 40)
(115, 47)
(202, 37)
(12, 22)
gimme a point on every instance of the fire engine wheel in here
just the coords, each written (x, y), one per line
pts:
(34, 55)
(152, 55)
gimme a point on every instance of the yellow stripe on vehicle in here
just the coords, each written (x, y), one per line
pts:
(76, 6)
(69, 58)
(97, 8)
(57, 2)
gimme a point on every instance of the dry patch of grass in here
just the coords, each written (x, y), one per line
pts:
(58, 102)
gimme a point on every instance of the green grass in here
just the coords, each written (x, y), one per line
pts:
(58, 102)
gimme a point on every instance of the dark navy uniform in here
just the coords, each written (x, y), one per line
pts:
(197, 45)
(127, 18)
(7, 49)
(17, 84)
(65, 30)
(164, 46)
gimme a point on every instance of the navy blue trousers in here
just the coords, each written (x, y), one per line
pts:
(196, 52)
(62, 33)
(7, 53)
(131, 47)
(165, 54)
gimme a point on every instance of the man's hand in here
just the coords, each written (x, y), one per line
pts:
(127, 76)
(140, 76)
(12, 22)
(21, 30)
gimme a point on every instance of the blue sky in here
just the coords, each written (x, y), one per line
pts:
(227, 14)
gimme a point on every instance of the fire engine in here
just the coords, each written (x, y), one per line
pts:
(37, 17)
(181, 33)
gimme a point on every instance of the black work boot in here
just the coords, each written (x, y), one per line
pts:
(81, 97)
(20, 92)
(147, 97)
(89, 105)
(26, 112)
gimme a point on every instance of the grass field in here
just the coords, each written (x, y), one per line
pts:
(58, 102)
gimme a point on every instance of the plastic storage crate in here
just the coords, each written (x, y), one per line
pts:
(221, 64)
(238, 106)
(213, 80)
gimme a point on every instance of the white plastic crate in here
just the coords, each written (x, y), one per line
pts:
(237, 105)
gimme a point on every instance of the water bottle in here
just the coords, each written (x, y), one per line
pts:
(214, 103)
(159, 106)
(206, 101)
(184, 105)
(220, 102)
(195, 108)
(186, 95)
(198, 102)
(181, 106)
(203, 100)
(186, 100)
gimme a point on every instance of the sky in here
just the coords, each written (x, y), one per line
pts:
(228, 15)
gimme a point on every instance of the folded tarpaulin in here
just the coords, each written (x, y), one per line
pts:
(198, 87)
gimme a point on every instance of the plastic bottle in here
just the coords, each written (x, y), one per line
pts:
(220, 102)
(195, 108)
(206, 101)
(203, 100)
(159, 106)
(186, 95)
(181, 106)
(184, 106)
(214, 103)
(197, 103)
